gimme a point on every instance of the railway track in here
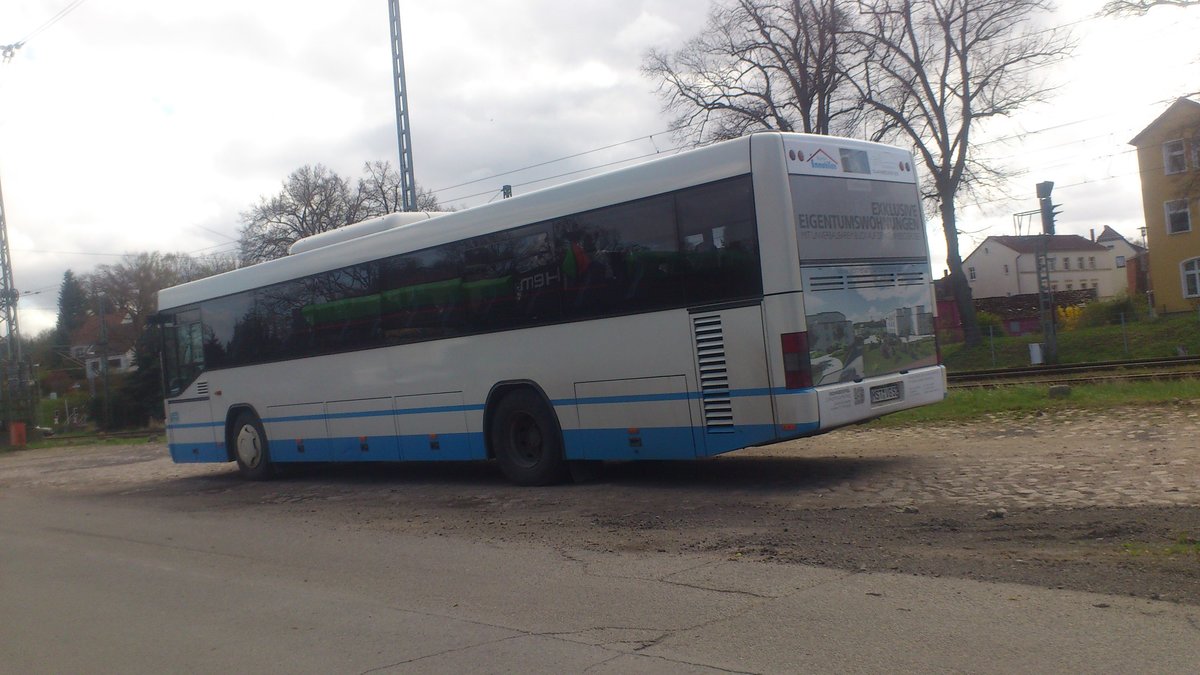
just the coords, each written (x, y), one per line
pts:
(1170, 368)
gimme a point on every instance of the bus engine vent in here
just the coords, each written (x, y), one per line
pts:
(839, 282)
(202, 388)
(714, 376)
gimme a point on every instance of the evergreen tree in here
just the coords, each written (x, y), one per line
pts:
(72, 312)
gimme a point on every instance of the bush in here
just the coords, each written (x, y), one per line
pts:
(988, 320)
(1109, 312)
(1070, 317)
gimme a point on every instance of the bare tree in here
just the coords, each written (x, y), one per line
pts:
(382, 190)
(130, 288)
(760, 64)
(315, 199)
(936, 69)
(1140, 7)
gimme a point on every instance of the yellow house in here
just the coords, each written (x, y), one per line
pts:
(1169, 159)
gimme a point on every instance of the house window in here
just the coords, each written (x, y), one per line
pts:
(1070, 286)
(971, 273)
(1006, 270)
(1066, 263)
(1196, 152)
(1080, 261)
(1052, 263)
(1174, 160)
(1178, 218)
(1191, 278)
(1092, 262)
(1120, 261)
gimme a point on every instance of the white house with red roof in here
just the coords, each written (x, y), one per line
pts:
(1007, 265)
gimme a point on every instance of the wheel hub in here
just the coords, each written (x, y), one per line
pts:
(527, 440)
(249, 446)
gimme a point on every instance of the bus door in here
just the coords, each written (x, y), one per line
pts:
(731, 369)
(192, 436)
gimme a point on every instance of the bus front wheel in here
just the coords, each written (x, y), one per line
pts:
(250, 447)
(527, 441)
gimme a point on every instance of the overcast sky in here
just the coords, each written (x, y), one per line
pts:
(141, 125)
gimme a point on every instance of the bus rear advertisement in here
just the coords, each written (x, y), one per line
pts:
(765, 288)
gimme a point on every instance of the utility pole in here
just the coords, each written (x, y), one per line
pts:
(103, 297)
(1045, 287)
(408, 184)
(17, 390)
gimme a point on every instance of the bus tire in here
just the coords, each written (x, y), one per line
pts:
(527, 441)
(250, 447)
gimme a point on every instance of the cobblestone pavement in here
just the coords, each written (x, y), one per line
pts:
(1126, 457)
(1137, 456)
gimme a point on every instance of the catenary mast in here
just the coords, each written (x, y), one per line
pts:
(16, 392)
(408, 185)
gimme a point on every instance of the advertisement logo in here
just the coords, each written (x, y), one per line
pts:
(822, 160)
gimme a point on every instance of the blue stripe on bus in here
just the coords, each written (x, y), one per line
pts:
(596, 400)
(677, 396)
(630, 398)
(190, 453)
(196, 425)
(374, 413)
(664, 443)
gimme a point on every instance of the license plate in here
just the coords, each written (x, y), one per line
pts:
(885, 392)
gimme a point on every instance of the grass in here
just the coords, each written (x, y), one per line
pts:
(969, 404)
(1141, 339)
(88, 439)
(1184, 545)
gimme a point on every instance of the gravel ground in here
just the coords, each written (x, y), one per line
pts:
(1098, 501)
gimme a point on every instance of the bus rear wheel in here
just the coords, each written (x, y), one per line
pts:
(250, 447)
(527, 441)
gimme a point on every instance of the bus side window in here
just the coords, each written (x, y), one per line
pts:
(286, 332)
(343, 308)
(229, 337)
(511, 279)
(720, 244)
(620, 259)
(422, 295)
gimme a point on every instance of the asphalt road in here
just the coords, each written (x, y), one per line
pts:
(115, 581)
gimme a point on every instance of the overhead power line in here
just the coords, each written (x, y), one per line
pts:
(594, 167)
(49, 22)
(1021, 135)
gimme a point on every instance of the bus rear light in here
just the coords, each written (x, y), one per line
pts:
(796, 367)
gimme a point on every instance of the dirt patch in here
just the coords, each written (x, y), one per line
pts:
(1086, 501)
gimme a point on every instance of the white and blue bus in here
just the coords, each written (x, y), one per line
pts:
(761, 289)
